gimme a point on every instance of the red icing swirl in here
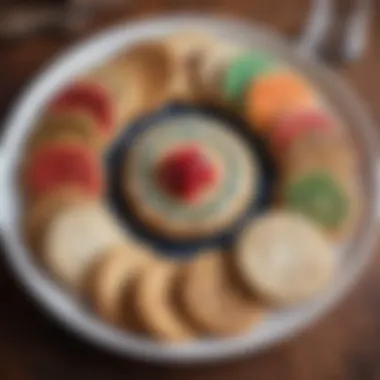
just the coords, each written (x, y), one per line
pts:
(186, 172)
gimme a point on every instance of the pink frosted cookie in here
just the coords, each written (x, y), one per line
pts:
(294, 124)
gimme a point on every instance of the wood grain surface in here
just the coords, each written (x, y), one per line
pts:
(343, 345)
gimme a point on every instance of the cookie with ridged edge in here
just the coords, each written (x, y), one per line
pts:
(285, 258)
(213, 300)
(65, 124)
(61, 164)
(113, 283)
(75, 239)
(156, 305)
(273, 94)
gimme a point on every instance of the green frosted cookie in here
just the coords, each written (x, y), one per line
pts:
(320, 197)
(242, 70)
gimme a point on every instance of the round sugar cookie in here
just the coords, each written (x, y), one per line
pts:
(188, 50)
(156, 305)
(124, 89)
(316, 149)
(213, 300)
(151, 66)
(271, 95)
(319, 195)
(303, 121)
(187, 45)
(75, 239)
(89, 97)
(285, 258)
(38, 214)
(66, 124)
(115, 280)
(211, 69)
(235, 187)
(242, 71)
(62, 164)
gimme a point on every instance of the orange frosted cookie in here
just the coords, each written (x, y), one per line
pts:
(271, 95)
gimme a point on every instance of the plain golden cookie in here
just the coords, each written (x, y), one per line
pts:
(76, 238)
(211, 70)
(155, 300)
(151, 66)
(188, 50)
(314, 150)
(116, 274)
(123, 87)
(214, 301)
(285, 258)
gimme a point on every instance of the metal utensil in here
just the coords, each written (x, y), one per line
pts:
(330, 38)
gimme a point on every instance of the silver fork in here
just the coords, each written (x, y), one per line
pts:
(350, 42)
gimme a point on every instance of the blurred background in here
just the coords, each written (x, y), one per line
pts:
(343, 345)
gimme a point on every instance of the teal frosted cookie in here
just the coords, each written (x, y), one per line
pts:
(242, 71)
(319, 196)
(189, 177)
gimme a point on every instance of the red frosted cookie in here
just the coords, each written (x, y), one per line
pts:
(294, 124)
(90, 97)
(56, 165)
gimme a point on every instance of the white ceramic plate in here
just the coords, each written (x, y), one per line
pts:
(69, 311)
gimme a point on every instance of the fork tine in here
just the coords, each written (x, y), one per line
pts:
(317, 26)
(357, 30)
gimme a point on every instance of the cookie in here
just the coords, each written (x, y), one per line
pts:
(116, 275)
(75, 125)
(211, 68)
(39, 214)
(319, 149)
(271, 95)
(61, 164)
(91, 98)
(188, 50)
(186, 45)
(285, 258)
(75, 239)
(151, 66)
(242, 71)
(213, 301)
(299, 122)
(123, 87)
(319, 195)
(217, 203)
(156, 306)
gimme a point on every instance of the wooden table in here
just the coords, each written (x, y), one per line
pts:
(343, 345)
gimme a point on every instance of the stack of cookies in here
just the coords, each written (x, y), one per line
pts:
(190, 177)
